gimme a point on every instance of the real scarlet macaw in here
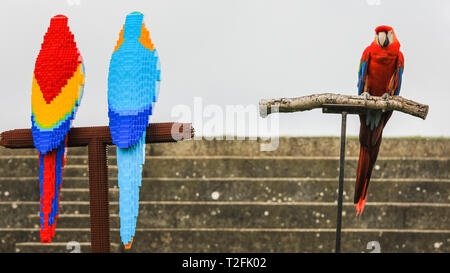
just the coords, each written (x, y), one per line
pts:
(58, 83)
(380, 74)
(133, 87)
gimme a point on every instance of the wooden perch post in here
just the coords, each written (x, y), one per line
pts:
(341, 104)
(97, 139)
(397, 103)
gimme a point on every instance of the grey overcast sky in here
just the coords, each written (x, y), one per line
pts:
(231, 52)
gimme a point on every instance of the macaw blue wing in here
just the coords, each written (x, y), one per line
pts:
(362, 72)
(399, 81)
(400, 67)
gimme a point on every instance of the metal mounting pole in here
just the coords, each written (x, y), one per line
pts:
(341, 182)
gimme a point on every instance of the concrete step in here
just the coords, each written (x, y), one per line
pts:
(216, 214)
(243, 189)
(305, 146)
(238, 166)
(60, 247)
(245, 240)
(288, 146)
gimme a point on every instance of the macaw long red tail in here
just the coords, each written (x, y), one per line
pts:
(363, 173)
(51, 167)
(370, 141)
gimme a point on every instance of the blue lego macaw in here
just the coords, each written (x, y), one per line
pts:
(133, 87)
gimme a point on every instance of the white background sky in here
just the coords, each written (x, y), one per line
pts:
(237, 52)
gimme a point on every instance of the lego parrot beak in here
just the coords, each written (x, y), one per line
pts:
(384, 39)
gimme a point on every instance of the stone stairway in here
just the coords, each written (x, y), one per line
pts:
(228, 196)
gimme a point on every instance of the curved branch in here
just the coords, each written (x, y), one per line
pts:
(397, 103)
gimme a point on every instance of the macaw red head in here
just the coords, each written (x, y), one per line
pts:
(385, 36)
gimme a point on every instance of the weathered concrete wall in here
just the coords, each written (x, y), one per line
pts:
(228, 196)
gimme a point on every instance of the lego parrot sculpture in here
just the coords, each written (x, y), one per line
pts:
(57, 88)
(380, 74)
(133, 87)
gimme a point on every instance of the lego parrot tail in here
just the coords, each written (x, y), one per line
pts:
(51, 167)
(129, 162)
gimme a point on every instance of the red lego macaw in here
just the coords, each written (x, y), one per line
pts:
(57, 89)
(380, 74)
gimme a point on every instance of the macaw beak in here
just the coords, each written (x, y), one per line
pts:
(382, 39)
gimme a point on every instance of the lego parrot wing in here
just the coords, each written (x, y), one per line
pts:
(133, 83)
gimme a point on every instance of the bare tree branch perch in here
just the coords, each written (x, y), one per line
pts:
(397, 103)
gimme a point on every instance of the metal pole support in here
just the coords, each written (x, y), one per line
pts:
(344, 110)
(341, 182)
